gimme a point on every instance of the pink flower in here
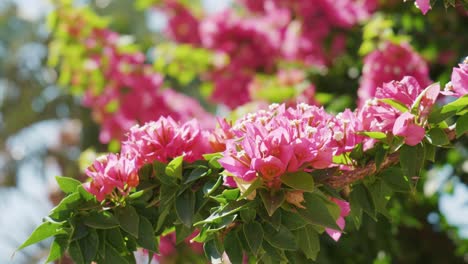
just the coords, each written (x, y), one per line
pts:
(111, 172)
(458, 86)
(270, 168)
(344, 211)
(266, 144)
(405, 91)
(392, 62)
(405, 127)
(164, 140)
(423, 5)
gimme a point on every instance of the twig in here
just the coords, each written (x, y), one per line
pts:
(339, 181)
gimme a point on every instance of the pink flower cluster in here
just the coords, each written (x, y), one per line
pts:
(391, 62)
(164, 140)
(135, 90)
(160, 140)
(183, 26)
(251, 46)
(304, 36)
(458, 86)
(109, 173)
(377, 115)
(270, 143)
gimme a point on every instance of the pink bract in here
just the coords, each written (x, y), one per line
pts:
(392, 62)
(111, 172)
(344, 211)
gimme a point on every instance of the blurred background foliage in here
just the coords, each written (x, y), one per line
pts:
(43, 128)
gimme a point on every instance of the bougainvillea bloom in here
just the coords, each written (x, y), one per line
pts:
(344, 211)
(458, 85)
(269, 143)
(405, 127)
(111, 172)
(164, 140)
(423, 5)
(392, 62)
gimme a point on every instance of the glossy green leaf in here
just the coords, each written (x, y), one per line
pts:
(146, 238)
(462, 125)
(395, 104)
(45, 230)
(58, 247)
(395, 179)
(411, 160)
(308, 240)
(66, 206)
(174, 168)
(361, 196)
(233, 247)
(103, 220)
(438, 137)
(282, 239)
(67, 184)
(128, 219)
(212, 252)
(373, 134)
(253, 233)
(197, 173)
(89, 246)
(75, 253)
(299, 180)
(185, 207)
(272, 200)
(317, 211)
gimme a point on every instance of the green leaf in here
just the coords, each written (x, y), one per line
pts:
(380, 154)
(440, 114)
(317, 211)
(57, 248)
(395, 104)
(438, 137)
(256, 184)
(66, 206)
(113, 255)
(174, 168)
(272, 200)
(75, 253)
(233, 247)
(67, 184)
(197, 173)
(308, 240)
(282, 239)
(45, 230)
(360, 195)
(128, 219)
(299, 180)
(185, 207)
(248, 215)
(103, 220)
(462, 125)
(253, 232)
(89, 246)
(211, 186)
(231, 194)
(212, 252)
(395, 179)
(292, 220)
(373, 134)
(430, 152)
(411, 160)
(381, 194)
(146, 238)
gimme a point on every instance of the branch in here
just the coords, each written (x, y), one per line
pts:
(348, 177)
